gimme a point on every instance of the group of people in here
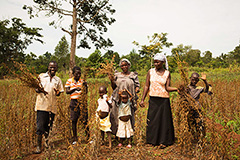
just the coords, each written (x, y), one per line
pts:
(116, 113)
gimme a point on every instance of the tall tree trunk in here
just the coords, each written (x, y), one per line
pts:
(73, 39)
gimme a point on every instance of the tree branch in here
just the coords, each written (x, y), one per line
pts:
(59, 10)
(67, 31)
(80, 4)
(95, 39)
(79, 20)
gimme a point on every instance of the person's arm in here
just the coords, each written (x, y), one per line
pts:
(109, 104)
(68, 91)
(137, 84)
(41, 91)
(59, 88)
(86, 85)
(57, 92)
(204, 78)
(168, 83)
(145, 89)
(120, 96)
(113, 83)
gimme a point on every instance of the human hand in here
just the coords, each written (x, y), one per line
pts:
(142, 104)
(56, 91)
(41, 90)
(120, 92)
(78, 89)
(85, 83)
(110, 76)
(137, 90)
(204, 77)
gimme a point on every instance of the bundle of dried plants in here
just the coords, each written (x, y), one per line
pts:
(107, 67)
(26, 77)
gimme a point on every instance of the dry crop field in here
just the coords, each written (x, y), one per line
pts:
(221, 113)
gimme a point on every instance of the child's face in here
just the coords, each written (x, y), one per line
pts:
(102, 91)
(194, 80)
(52, 68)
(124, 98)
(77, 74)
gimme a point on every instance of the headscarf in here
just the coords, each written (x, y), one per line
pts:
(125, 60)
(161, 57)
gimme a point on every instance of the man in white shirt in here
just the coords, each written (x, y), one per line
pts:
(46, 102)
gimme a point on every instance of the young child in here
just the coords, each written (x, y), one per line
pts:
(104, 106)
(73, 87)
(124, 114)
(195, 122)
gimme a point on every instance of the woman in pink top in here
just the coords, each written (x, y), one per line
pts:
(160, 129)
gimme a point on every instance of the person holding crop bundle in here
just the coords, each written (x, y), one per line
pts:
(123, 80)
(46, 103)
(78, 110)
(195, 118)
(160, 130)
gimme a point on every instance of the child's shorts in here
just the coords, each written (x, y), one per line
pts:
(104, 124)
(124, 129)
(76, 112)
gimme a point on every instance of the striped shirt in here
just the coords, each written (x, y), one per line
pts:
(72, 84)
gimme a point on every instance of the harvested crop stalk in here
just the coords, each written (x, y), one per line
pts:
(27, 78)
(107, 67)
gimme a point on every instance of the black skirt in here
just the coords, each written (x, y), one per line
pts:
(159, 122)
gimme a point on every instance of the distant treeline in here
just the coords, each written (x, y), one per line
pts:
(193, 58)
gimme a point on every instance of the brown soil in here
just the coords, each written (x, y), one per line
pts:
(59, 150)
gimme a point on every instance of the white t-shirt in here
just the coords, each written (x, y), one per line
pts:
(102, 104)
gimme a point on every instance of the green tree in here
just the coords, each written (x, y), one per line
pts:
(181, 50)
(109, 54)
(15, 36)
(192, 57)
(235, 54)
(207, 58)
(61, 51)
(221, 61)
(134, 58)
(157, 42)
(41, 63)
(93, 62)
(89, 20)
(30, 59)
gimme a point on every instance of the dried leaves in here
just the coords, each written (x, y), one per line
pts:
(26, 77)
(107, 68)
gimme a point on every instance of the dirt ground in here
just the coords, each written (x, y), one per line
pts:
(60, 151)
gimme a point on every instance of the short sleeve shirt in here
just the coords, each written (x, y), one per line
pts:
(124, 109)
(72, 84)
(158, 84)
(195, 91)
(102, 104)
(48, 102)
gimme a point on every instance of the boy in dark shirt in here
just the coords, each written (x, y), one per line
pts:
(195, 121)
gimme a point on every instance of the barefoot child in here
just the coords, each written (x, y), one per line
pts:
(73, 87)
(124, 114)
(103, 114)
(195, 122)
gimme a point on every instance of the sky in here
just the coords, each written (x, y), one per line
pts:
(207, 25)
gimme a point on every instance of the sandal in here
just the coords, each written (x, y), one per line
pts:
(162, 146)
(129, 146)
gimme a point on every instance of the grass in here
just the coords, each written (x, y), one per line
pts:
(18, 124)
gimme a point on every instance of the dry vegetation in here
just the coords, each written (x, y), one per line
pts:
(221, 112)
